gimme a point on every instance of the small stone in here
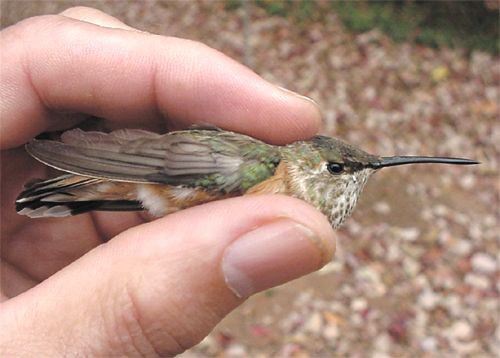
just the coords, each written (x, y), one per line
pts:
(300, 338)
(382, 208)
(468, 181)
(453, 304)
(475, 232)
(411, 266)
(420, 323)
(426, 214)
(369, 93)
(267, 319)
(461, 247)
(331, 332)
(466, 349)
(359, 304)
(393, 253)
(461, 330)
(236, 350)
(429, 344)
(428, 299)
(483, 263)
(408, 234)
(477, 281)
(440, 210)
(304, 297)
(490, 220)
(357, 320)
(354, 228)
(383, 343)
(370, 281)
(314, 323)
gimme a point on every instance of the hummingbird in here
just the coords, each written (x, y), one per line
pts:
(132, 169)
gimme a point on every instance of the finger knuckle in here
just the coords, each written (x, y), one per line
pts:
(77, 11)
(131, 331)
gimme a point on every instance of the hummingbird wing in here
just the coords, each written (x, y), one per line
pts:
(212, 159)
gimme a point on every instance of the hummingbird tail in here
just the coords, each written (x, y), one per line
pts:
(69, 195)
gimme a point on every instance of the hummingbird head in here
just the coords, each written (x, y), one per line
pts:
(330, 174)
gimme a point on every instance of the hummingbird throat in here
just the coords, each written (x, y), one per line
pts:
(334, 196)
(343, 201)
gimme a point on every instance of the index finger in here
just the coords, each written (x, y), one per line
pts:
(54, 63)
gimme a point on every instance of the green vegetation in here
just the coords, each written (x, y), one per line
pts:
(467, 24)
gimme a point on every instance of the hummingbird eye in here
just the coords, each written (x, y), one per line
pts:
(335, 168)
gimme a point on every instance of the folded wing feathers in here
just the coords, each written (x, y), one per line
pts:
(99, 139)
(137, 156)
(92, 162)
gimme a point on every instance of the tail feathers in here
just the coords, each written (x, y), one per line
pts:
(68, 195)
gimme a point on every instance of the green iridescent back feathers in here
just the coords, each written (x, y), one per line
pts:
(207, 158)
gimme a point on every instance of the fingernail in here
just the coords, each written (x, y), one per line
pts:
(298, 95)
(271, 255)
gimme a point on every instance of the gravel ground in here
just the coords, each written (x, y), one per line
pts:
(417, 269)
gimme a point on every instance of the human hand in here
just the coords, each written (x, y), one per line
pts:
(157, 287)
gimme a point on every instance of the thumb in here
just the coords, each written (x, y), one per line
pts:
(161, 287)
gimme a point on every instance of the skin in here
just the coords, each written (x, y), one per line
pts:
(154, 288)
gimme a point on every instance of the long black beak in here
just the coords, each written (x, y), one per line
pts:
(393, 161)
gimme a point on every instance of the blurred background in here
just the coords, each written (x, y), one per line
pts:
(416, 271)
